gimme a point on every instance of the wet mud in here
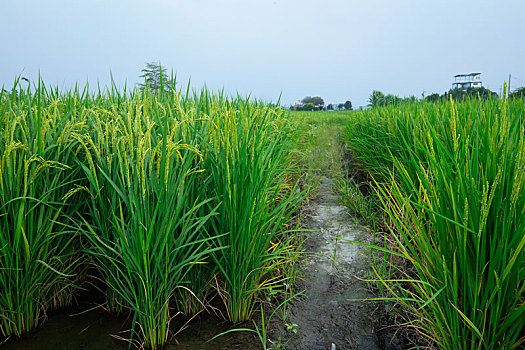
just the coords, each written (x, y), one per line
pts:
(325, 316)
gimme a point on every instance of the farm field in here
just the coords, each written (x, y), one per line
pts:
(440, 186)
(162, 208)
(161, 202)
(448, 178)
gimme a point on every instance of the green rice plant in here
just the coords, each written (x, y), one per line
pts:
(147, 236)
(33, 242)
(451, 179)
(170, 190)
(36, 191)
(193, 299)
(247, 159)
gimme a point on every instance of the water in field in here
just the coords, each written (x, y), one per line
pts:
(95, 329)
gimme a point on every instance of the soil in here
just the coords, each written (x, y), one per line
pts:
(325, 315)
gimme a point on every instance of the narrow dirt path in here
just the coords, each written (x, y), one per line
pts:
(325, 317)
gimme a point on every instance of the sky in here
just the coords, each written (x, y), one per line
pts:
(339, 50)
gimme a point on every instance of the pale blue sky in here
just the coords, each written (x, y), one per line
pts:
(336, 49)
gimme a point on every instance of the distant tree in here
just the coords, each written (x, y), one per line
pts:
(308, 106)
(459, 94)
(433, 97)
(481, 92)
(330, 107)
(518, 93)
(155, 77)
(316, 100)
(340, 106)
(410, 99)
(392, 99)
(376, 99)
(348, 105)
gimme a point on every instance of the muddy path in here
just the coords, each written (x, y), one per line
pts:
(324, 315)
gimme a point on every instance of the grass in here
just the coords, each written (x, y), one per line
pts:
(320, 140)
(325, 153)
(262, 330)
(450, 177)
(354, 196)
(170, 197)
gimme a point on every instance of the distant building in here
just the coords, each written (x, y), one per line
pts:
(464, 81)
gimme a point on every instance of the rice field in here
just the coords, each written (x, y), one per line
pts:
(450, 177)
(167, 198)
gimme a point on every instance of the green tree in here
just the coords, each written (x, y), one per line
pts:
(308, 106)
(156, 78)
(376, 99)
(392, 99)
(348, 105)
(481, 92)
(433, 97)
(457, 94)
(316, 100)
(518, 93)
(410, 99)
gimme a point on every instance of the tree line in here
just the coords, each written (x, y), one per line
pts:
(379, 99)
(156, 78)
(316, 103)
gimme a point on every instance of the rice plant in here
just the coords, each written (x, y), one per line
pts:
(450, 177)
(36, 190)
(170, 195)
(248, 163)
(147, 237)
